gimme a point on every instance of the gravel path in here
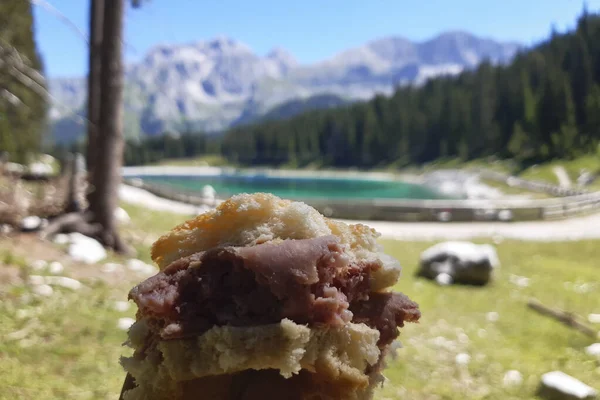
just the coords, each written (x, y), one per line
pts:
(563, 177)
(579, 228)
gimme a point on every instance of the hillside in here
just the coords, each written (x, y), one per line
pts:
(544, 105)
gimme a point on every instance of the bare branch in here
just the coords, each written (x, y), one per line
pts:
(57, 13)
(14, 58)
(15, 64)
(11, 97)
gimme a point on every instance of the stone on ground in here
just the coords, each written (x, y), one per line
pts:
(121, 216)
(136, 265)
(38, 265)
(32, 223)
(512, 378)
(61, 239)
(111, 267)
(125, 323)
(593, 350)
(459, 262)
(85, 249)
(557, 385)
(55, 268)
(43, 290)
(121, 306)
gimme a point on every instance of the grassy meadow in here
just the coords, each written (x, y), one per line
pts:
(68, 345)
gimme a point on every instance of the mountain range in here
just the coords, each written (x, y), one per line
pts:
(215, 84)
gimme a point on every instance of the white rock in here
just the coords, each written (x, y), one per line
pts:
(512, 378)
(61, 239)
(43, 290)
(135, 264)
(505, 215)
(85, 249)
(141, 267)
(520, 281)
(465, 262)
(36, 280)
(444, 216)
(462, 359)
(46, 158)
(63, 281)
(137, 182)
(38, 265)
(208, 192)
(125, 323)
(444, 279)
(121, 216)
(110, 267)
(40, 168)
(55, 268)
(497, 239)
(593, 350)
(121, 306)
(492, 316)
(558, 385)
(31, 223)
(14, 168)
(594, 318)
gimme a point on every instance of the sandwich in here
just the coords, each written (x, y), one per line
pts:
(264, 298)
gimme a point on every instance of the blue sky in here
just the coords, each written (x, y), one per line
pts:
(311, 30)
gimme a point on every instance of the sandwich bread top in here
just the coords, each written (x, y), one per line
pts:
(251, 219)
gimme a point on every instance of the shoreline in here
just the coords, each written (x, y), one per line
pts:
(576, 228)
(204, 171)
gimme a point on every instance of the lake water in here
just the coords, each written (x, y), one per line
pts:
(298, 187)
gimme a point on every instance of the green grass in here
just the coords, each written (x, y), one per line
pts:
(503, 166)
(73, 346)
(512, 190)
(69, 345)
(544, 172)
(520, 339)
(147, 226)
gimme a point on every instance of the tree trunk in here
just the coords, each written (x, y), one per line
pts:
(75, 200)
(95, 65)
(106, 172)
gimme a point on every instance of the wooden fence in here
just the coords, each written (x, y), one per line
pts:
(532, 185)
(422, 210)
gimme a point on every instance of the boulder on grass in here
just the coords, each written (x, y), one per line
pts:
(459, 262)
(557, 385)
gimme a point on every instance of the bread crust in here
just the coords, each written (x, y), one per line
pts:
(251, 219)
(339, 356)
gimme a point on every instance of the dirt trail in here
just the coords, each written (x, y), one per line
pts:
(563, 177)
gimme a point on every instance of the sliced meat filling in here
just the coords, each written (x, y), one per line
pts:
(385, 312)
(309, 281)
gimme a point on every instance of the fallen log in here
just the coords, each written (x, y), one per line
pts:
(566, 318)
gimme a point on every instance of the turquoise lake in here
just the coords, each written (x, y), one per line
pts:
(298, 187)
